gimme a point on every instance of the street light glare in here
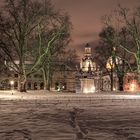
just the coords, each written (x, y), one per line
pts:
(11, 82)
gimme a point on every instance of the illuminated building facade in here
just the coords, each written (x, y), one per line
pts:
(87, 64)
(88, 79)
(85, 78)
(63, 79)
(131, 82)
(91, 79)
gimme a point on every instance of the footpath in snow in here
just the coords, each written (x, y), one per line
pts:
(39, 115)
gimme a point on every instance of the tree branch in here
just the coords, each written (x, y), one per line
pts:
(127, 50)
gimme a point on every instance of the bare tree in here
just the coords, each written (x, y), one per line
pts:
(128, 23)
(102, 53)
(59, 44)
(20, 22)
(117, 58)
(132, 22)
(62, 61)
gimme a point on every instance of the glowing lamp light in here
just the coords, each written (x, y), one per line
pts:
(114, 89)
(132, 87)
(12, 82)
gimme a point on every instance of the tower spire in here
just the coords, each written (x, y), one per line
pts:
(87, 50)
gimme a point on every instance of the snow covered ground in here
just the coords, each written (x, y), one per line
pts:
(38, 115)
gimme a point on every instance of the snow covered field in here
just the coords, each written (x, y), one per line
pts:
(68, 116)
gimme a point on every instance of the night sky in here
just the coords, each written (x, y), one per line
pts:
(86, 18)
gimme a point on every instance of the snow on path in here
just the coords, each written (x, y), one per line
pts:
(39, 116)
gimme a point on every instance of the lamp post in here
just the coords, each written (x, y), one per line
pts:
(113, 64)
(12, 86)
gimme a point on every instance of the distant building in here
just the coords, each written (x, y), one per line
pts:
(88, 78)
(131, 82)
(62, 79)
(87, 63)
(85, 77)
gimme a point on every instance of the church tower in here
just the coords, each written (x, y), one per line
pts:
(87, 64)
(85, 80)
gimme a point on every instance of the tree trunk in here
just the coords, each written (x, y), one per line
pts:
(111, 80)
(48, 85)
(48, 79)
(22, 83)
(44, 78)
(120, 82)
